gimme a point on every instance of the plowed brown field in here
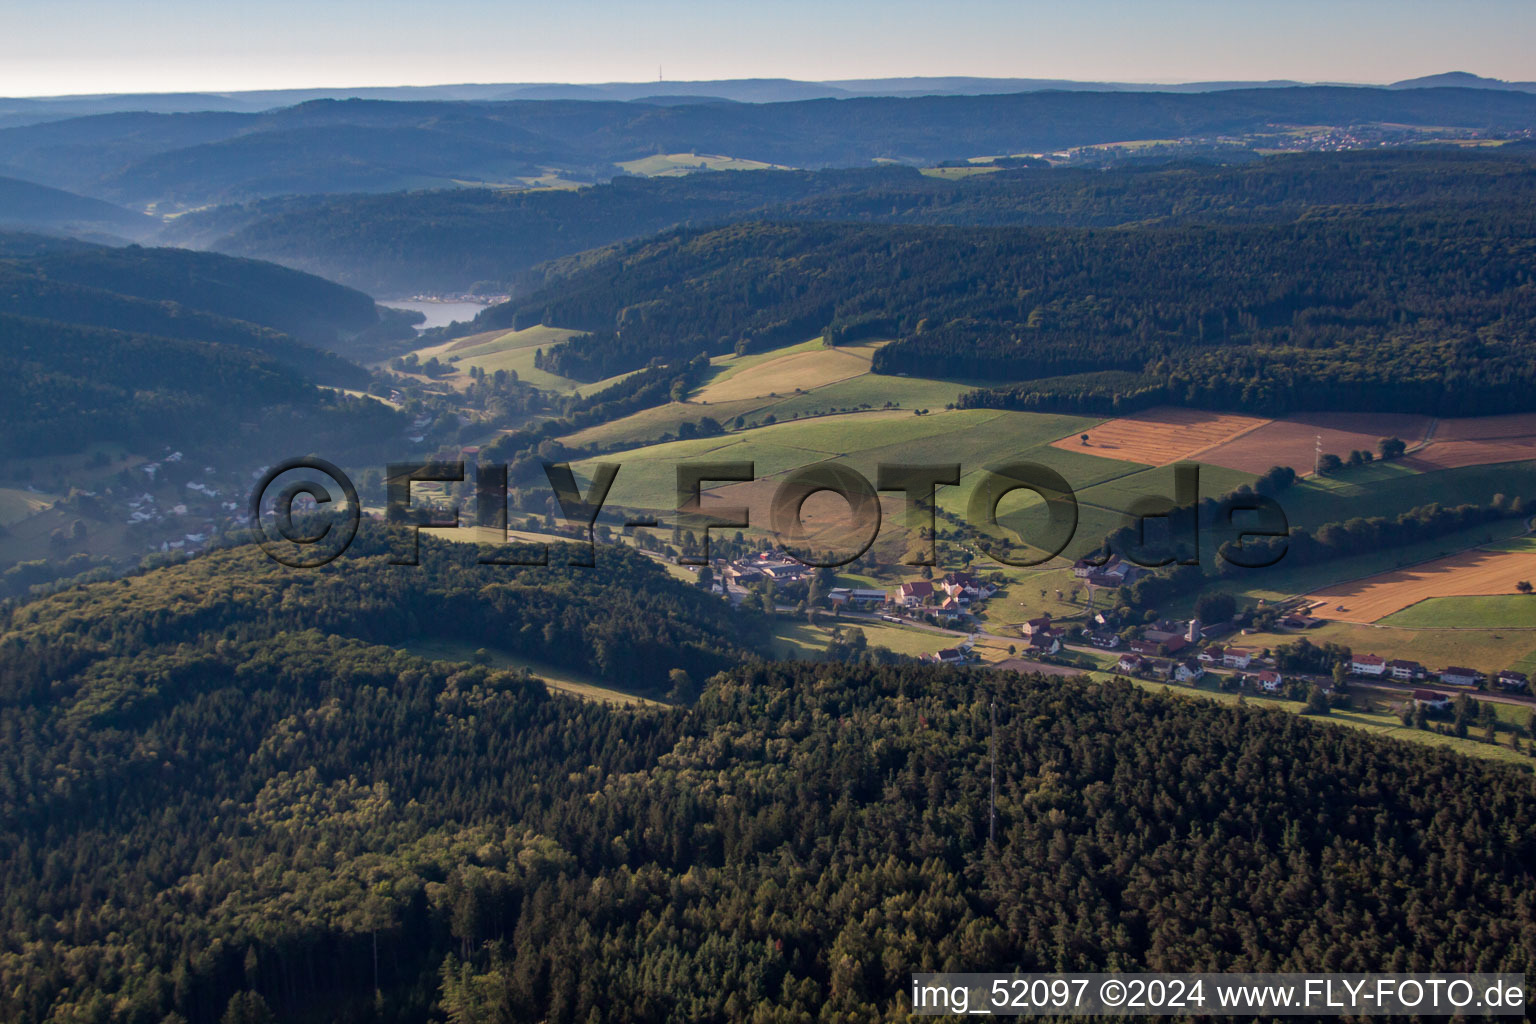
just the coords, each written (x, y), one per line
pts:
(1478, 441)
(1293, 441)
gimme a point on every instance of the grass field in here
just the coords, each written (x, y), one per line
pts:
(770, 380)
(1508, 611)
(974, 437)
(559, 679)
(1380, 723)
(724, 367)
(801, 368)
(513, 351)
(17, 504)
(803, 641)
(955, 173)
(1482, 649)
(672, 164)
(1390, 489)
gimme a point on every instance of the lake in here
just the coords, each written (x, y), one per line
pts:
(439, 314)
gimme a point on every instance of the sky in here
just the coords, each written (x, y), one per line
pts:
(93, 46)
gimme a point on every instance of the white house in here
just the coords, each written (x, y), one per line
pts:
(1368, 665)
(1457, 676)
(1237, 657)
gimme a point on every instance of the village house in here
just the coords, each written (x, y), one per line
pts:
(1270, 682)
(1189, 671)
(1212, 655)
(1237, 657)
(1513, 682)
(1432, 700)
(1368, 665)
(1406, 670)
(950, 656)
(1082, 568)
(912, 595)
(1130, 663)
(966, 586)
(1458, 676)
(1044, 643)
(950, 609)
(1040, 625)
(1104, 641)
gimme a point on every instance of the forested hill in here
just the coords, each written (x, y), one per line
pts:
(28, 204)
(455, 240)
(167, 347)
(1376, 309)
(206, 803)
(311, 309)
(189, 160)
(481, 239)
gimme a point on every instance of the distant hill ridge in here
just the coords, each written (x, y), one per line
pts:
(746, 90)
(180, 161)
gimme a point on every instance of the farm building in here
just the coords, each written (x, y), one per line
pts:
(1458, 676)
(1432, 700)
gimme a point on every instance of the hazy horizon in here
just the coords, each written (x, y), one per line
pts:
(89, 47)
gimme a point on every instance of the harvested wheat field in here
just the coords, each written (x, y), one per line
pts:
(1470, 573)
(1159, 436)
(1478, 441)
(786, 374)
(1293, 440)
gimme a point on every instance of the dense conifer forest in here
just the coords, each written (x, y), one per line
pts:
(1428, 310)
(226, 797)
(487, 239)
